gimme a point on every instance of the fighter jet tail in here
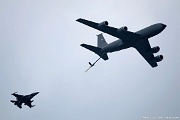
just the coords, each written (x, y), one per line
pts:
(32, 106)
(13, 101)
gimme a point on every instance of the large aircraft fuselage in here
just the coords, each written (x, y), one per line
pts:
(151, 30)
(145, 33)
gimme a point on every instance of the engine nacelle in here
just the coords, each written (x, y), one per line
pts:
(122, 29)
(102, 24)
(158, 58)
(155, 49)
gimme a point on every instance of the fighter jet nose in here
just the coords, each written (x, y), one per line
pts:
(164, 26)
(35, 93)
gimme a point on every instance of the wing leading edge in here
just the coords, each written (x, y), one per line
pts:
(125, 35)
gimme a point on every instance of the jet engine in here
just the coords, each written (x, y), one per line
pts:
(158, 58)
(155, 49)
(102, 24)
(122, 29)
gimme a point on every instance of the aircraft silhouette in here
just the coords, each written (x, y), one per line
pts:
(138, 40)
(26, 99)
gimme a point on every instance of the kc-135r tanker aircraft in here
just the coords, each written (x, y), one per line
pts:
(138, 40)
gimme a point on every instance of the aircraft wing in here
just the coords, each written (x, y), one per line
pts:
(126, 35)
(17, 96)
(143, 49)
(28, 103)
(19, 105)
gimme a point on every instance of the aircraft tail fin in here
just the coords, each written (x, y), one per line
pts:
(101, 42)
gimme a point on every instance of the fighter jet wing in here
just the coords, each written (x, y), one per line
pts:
(18, 96)
(28, 103)
(126, 35)
(19, 105)
(143, 48)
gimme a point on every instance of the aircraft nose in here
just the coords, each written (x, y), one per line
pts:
(35, 93)
(164, 26)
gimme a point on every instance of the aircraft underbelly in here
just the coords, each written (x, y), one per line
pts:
(129, 44)
(118, 47)
(111, 48)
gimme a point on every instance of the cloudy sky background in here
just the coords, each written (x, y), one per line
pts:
(40, 51)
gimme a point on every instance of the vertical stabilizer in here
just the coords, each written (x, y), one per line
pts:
(101, 42)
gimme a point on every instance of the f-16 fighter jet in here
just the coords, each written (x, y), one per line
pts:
(26, 99)
(138, 40)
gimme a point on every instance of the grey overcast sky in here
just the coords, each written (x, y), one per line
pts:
(40, 51)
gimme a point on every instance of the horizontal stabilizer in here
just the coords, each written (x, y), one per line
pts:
(91, 48)
(95, 50)
(105, 57)
(13, 101)
(32, 106)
